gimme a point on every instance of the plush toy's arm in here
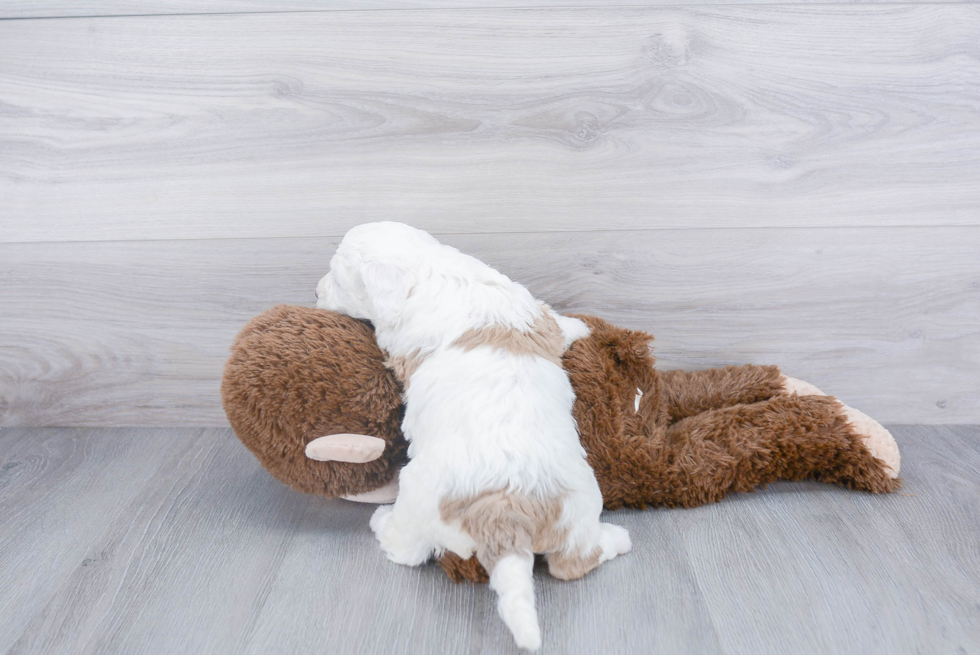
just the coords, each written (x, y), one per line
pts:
(691, 392)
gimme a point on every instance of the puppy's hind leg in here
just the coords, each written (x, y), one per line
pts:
(400, 536)
(612, 541)
(588, 542)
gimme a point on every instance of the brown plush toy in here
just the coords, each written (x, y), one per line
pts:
(307, 391)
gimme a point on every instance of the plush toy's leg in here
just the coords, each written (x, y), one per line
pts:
(785, 438)
(688, 393)
(463, 570)
(875, 437)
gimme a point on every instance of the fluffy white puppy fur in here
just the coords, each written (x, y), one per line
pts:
(496, 467)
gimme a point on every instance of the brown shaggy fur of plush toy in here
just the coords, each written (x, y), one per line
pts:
(699, 436)
(296, 374)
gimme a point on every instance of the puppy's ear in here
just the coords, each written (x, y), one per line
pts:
(388, 286)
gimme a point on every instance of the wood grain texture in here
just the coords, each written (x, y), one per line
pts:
(870, 565)
(278, 125)
(207, 523)
(59, 492)
(94, 8)
(212, 555)
(136, 333)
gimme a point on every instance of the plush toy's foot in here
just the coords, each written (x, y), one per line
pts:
(799, 387)
(875, 437)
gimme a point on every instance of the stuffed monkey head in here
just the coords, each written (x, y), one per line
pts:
(297, 374)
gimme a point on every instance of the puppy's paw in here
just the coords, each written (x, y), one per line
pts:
(792, 386)
(401, 547)
(572, 329)
(875, 437)
(406, 552)
(379, 520)
(614, 540)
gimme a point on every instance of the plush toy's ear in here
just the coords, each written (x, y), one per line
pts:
(388, 286)
(357, 448)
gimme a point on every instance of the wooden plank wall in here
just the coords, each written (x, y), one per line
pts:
(87, 8)
(795, 184)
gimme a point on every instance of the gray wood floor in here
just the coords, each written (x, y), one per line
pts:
(175, 541)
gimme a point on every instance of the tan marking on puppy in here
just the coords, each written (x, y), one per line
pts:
(502, 522)
(544, 339)
(404, 367)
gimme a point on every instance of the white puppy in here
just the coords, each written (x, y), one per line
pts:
(496, 465)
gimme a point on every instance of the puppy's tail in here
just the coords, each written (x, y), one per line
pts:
(512, 579)
(503, 524)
